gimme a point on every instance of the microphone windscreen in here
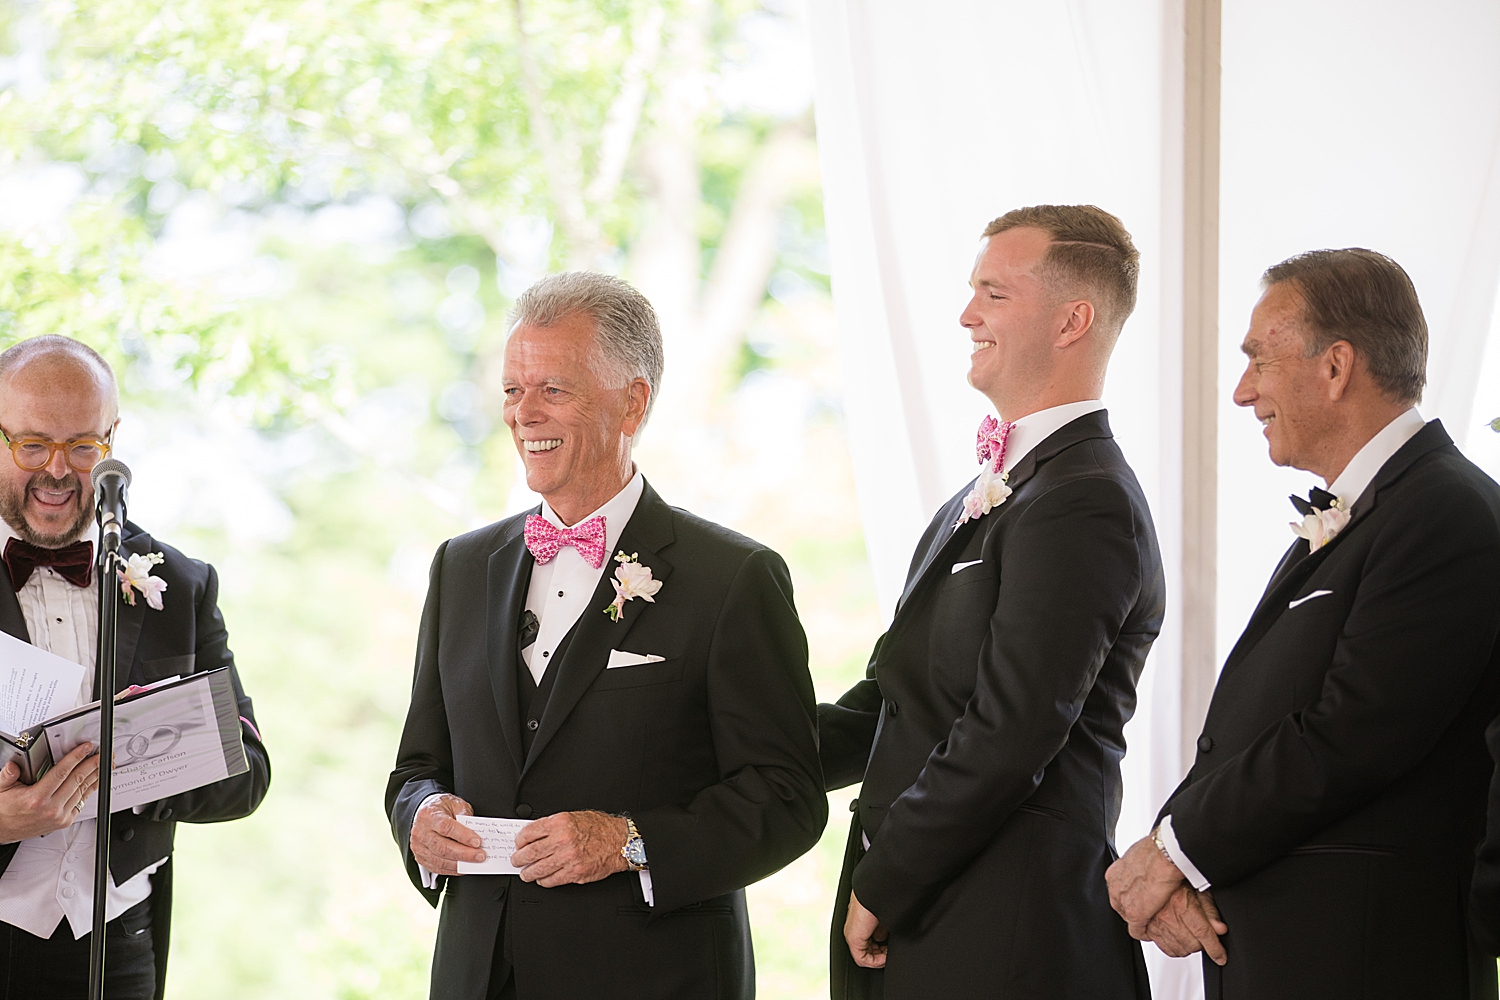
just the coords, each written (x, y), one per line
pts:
(109, 466)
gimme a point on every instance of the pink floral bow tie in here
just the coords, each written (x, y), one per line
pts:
(990, 444)
(545, 539)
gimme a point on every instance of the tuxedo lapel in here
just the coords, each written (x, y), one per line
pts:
(946, 533)
(1292, 573)
(132, 617)
(1090, 425)
(12, 622)
(507, 580)
(648, 531)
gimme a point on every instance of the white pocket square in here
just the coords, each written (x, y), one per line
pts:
(620, 658)
(1304, 600)
(965, 565)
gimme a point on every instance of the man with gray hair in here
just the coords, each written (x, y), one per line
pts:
(627, 677)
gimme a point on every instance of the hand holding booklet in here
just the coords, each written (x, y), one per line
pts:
(174, 736)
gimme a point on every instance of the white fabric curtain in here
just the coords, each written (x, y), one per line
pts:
(1373, 123)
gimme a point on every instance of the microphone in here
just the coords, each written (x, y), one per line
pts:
(111, 480)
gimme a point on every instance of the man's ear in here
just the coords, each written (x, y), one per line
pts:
(635, 409)
(1338, 368)
(1077, 322)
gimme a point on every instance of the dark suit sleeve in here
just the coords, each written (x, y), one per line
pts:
(846, 730)
(236, 797)
(424, 761)
(1416, 643)
(1070, 574)
(768, 807)
(1484, 895)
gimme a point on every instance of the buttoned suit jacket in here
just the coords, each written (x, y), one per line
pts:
(995, 705)
(186, 637)
(712, 751)
(1339, 786)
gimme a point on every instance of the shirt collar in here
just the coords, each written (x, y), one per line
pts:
(616, 511)
(1034, 428)
(1376, 452)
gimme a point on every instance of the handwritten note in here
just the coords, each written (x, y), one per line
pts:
(499, 836)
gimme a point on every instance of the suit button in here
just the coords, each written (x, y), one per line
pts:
(127, 834)
(531, 724)
(523, 810)
(1205, 743)
(166, 814)
(854, 805)
(893, 709)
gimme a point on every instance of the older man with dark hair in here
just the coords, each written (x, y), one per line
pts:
(630, 678)
(1326, 831)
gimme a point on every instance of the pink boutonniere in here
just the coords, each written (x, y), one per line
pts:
(631, 580)
(137, 575)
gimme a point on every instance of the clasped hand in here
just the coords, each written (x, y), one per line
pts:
(1158, 905)
(567, 847)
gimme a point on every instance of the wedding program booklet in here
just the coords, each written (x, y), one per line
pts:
(170, 737)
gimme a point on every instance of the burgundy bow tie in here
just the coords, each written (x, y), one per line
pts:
(546, 539)
(75, 563)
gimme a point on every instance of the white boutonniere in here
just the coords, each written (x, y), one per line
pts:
(631, 580)
(137, 575)
(988, 493)
(1320, 526)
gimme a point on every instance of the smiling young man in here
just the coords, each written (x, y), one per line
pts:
(988, 732)
(58, 412)
(629, 677)
(1326, 831)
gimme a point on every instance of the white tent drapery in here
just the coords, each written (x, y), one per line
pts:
(1334, 123)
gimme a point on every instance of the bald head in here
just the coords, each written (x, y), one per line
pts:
(54, 391)
(61, 366)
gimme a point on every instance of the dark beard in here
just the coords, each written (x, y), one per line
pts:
(13, 509)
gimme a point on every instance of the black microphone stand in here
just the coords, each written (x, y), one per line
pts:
(104, 686)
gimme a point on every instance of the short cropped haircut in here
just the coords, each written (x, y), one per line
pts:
(1367, 299)
(1091, 255)
(15, 356)
(628, 334)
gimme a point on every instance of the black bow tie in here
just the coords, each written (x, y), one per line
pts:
(74, 563)
(1316, 500)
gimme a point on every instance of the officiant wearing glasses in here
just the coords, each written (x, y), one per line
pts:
(1326, 831)
(628, 677)
(58, 412)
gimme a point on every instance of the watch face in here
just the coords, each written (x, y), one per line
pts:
(635, 851)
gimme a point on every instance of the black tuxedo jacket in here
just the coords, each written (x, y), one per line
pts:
(1484, 895)
(1339, 785)
(712, 751)
(995, 705)
(185, 637)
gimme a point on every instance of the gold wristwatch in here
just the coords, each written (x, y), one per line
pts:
(634, 851)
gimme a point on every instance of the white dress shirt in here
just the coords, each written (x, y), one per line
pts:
(1034, 428)
(52, 877)
(559, 595)
(561, 590)
(1348, 487)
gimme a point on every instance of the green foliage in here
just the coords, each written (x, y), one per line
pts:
(349, 375)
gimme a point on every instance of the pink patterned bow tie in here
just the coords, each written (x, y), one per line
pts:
(991, 441)
(546, 539)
